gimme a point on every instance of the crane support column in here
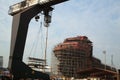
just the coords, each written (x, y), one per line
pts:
(19, 33)
(22, 14)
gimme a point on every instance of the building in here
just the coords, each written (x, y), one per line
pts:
(1, 61)
(74, 57)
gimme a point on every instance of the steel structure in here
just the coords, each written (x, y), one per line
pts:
(22, 13)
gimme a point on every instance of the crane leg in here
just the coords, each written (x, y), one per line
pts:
(19, 32)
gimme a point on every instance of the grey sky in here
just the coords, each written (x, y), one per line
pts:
(99, 20)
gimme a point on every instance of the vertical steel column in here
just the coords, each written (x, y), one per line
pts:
(19, 33)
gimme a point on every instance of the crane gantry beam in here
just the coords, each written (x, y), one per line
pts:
(18, 7)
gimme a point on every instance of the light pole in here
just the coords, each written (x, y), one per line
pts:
(118, 74)
(112, 65)
(104, 52)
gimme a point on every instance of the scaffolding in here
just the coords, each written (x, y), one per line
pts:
(74, 55)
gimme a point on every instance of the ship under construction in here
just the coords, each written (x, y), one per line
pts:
(74, 58)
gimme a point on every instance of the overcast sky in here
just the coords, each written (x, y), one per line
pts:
(99, 20)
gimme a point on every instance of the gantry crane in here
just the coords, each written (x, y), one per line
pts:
(22, 13)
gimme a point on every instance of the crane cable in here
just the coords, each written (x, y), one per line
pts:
(36, 42)
(46, 44)
(34, 46)
(47, 21)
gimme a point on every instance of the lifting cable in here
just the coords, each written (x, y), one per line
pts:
(35, 43)
(47, 20)
(46, 44)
